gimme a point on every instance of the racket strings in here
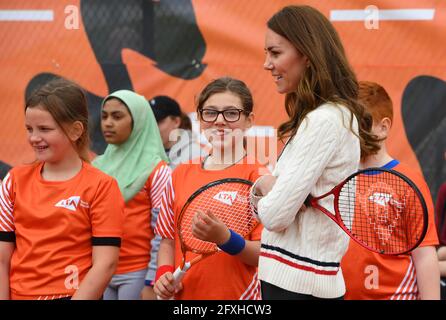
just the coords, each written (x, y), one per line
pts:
(229, 202)
(383, 211)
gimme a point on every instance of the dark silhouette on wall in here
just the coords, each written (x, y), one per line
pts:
(164, 31)
(4, 168)
(424, 116)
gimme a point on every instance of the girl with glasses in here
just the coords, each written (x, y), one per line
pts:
(225, 111)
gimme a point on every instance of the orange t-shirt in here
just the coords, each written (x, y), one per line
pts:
(137, 231)
(55, 224)
(220, 276)
(369, 275)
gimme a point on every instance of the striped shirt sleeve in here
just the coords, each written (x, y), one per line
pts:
(157, 188)
(6, 205)
(252, 292)
(165, 226)
(159, 183)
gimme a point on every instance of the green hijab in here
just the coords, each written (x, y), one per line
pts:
(132, 162)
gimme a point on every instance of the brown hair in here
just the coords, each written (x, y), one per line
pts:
(227, 84)
(66, 102)
(376, 100)
(328, 78)
(185, 123)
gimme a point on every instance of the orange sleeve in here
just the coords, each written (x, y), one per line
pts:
(107, 210)
(256, 234)
(7, 204)
(165, 226)
(431, 238)
(158, 183)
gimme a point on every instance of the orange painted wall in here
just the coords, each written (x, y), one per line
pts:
(234, 34)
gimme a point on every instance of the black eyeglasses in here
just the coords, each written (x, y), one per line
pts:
(230, 115)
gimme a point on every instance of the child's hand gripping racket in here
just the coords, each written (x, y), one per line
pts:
(228, 200)
(380, 209)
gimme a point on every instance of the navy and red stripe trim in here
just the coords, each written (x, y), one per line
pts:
(317, 265)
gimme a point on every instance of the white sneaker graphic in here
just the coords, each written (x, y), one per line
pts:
(70, 203)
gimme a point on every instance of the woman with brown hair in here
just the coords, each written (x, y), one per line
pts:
(327, 133)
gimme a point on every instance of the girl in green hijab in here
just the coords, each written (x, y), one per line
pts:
(135, 157)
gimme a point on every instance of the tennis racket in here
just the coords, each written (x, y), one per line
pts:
(228, 200)
(380, 209)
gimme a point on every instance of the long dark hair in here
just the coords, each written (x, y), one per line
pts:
(329, 76)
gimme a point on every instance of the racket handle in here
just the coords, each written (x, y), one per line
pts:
(179, 273)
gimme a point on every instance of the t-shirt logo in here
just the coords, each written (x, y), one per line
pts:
(380, 198)
(383, 208)
(71, 203)
(226, 197)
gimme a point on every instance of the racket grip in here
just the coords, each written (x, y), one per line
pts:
(179, 273)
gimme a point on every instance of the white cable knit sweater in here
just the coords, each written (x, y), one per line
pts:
(302, 252)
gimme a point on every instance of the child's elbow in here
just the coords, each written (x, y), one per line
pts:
(111, 266)
(107, 266)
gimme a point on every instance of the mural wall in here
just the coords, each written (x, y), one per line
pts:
(174, 47)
